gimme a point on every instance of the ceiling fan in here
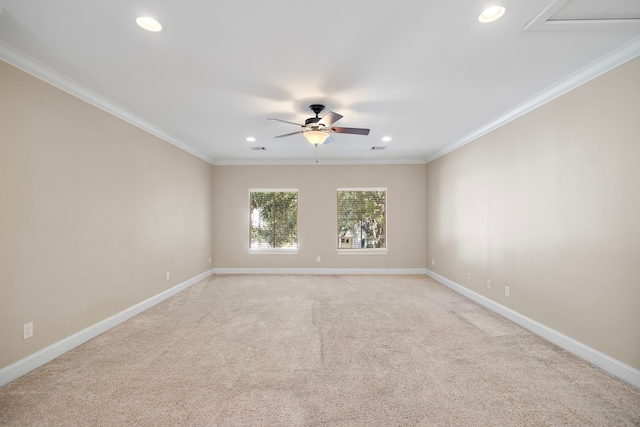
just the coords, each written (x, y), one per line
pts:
(318, 129)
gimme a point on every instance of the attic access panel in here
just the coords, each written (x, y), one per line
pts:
(587, 14)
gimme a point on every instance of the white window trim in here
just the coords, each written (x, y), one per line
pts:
(274, 251)
(273, 190)
(363, 189)
(370, 251)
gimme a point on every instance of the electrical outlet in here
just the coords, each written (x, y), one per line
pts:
(506, 291)
(27, 330)
(433, 261)
(488, 284)
(168, 275)
(468, 276)
(318, 258)
(209, 260)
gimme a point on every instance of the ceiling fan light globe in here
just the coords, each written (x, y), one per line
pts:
(316, 137)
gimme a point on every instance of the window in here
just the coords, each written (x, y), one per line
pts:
(274, 219)
(362, 220)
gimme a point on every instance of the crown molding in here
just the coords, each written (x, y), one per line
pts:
(302, 162)
(31, 66)
(608, 62)
(37, 69)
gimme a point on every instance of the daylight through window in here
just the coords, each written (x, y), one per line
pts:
(274, 219)
(362, 222)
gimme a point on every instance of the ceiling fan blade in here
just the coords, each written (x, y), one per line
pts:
(289, 134)
(284, 121)
(330, 118)
(355, 131)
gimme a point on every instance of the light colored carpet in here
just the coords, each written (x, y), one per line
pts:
(318, 351)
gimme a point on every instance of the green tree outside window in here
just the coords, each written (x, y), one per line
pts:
(274, 219)
(362, 219)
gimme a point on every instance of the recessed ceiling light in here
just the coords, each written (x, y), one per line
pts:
(148, 23)
(491, 14)
(251, 139)
(386, 138)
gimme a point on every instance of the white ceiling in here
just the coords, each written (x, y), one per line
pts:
(426, 73)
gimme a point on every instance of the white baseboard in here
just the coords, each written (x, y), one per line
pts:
(389, 271)
(601, 360)
(47, 354)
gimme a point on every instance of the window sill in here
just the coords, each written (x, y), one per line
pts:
(373, 251)
(274, 251)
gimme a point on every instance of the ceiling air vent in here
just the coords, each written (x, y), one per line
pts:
(258, 148)
(378, 148)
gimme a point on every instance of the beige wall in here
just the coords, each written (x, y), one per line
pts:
(93, 213)
(549, 205)
(317, 206)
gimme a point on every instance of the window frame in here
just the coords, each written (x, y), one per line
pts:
(365, 251)
(274, 251)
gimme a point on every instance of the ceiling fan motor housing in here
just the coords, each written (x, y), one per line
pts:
(311, 121)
